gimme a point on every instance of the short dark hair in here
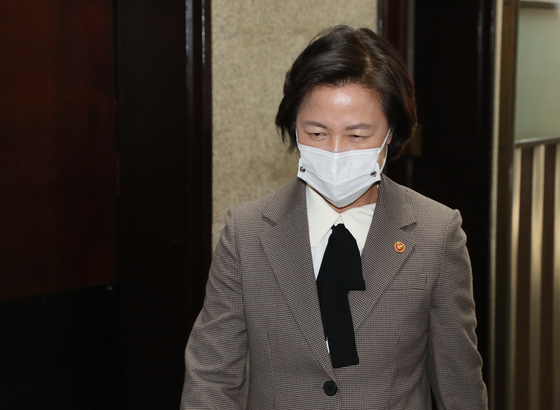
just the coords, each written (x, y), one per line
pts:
(343, 55)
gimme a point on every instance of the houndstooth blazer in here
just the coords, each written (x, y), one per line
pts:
(414, 323)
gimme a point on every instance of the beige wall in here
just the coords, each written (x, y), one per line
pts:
(254, 43)
(538, 63)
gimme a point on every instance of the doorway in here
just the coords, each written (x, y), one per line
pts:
(449, 51)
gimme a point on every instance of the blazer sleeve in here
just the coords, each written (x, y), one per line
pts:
(454, 364)
(216, 352)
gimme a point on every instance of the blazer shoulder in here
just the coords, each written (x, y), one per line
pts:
(427, 205)
(272, 206)
(252, 208)
(414, 206)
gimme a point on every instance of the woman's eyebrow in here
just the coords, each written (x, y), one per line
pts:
(315, 124)
(360, 126)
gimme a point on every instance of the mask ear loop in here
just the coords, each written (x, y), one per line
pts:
(297, 139)
(383, 146)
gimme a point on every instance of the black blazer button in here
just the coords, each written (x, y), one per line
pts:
(330, 388)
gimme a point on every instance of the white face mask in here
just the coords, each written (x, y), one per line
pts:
(341, 177)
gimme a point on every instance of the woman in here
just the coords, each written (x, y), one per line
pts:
(344, 290)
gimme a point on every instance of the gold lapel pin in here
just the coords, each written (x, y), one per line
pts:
(399, 247)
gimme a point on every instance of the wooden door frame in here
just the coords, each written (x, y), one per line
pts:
(502, 285)
(165, 193)
(393, 23)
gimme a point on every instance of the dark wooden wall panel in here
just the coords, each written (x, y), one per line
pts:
(60, 351)
(57, 146)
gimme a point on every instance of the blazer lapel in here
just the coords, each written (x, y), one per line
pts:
(287, 247)
(380, 259)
